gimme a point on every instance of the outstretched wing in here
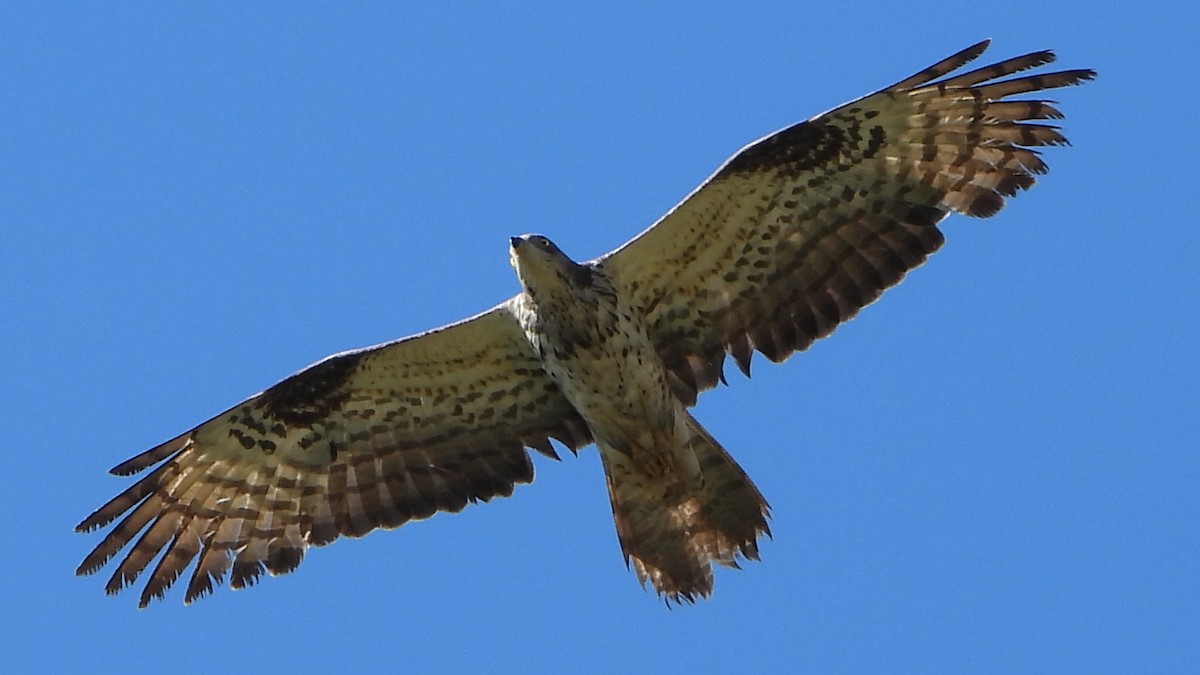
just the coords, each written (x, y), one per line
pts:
(364, 439)
(801, 229)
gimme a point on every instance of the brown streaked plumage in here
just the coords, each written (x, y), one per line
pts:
(788, 239)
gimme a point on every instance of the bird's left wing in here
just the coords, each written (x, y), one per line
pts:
(364, 439)
(801, 229)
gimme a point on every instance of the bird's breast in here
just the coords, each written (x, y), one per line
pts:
(601, 356)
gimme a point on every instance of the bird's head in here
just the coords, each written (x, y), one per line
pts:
(541, 265)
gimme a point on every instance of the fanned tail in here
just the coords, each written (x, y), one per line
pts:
(673, 526)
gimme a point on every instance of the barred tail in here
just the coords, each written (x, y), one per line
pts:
(672, 527)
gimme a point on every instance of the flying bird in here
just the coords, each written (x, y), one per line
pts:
(788, 239)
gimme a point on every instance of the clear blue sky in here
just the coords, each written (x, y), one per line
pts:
(994, 469)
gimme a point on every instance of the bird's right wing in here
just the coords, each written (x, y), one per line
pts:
(360, 440)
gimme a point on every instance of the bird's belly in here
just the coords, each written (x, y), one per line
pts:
(605, 364)
(622, 394)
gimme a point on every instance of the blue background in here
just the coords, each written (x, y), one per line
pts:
(994, 469)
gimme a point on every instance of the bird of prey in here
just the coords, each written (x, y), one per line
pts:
(788, 239)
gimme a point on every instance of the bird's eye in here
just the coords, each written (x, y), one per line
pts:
(543, 243)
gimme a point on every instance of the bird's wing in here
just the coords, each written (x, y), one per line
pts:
(801, 229)
(364, 439)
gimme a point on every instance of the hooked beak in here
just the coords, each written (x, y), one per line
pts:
(515, 242)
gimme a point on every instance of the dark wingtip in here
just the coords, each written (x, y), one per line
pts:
(1041, 58)
(153, 456)
(123, 469)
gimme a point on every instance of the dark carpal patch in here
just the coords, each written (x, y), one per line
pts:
(310, 395)
(802, 147)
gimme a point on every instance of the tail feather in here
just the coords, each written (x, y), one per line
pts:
(673, 526)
